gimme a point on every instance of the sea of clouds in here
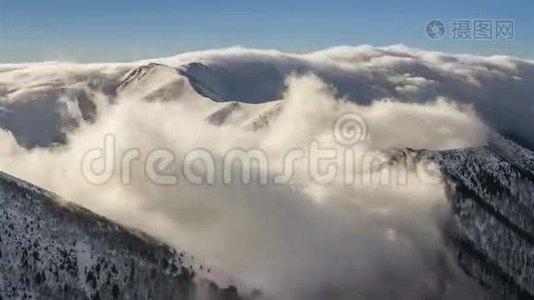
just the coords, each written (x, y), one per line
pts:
(299, 239)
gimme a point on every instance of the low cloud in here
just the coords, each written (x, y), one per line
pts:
(299, 240)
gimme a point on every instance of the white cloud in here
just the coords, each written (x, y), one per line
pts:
(299, 240)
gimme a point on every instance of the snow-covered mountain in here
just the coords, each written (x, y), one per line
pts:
(65, 92)
(50, 248)
(491, 194)
(53, 249)
(490, 189)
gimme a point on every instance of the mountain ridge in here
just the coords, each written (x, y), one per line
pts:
(492, 228)
(489, 187)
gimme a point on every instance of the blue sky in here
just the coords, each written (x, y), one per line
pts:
(119, 30)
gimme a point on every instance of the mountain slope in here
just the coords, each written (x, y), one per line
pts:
(50, 249)
(491, 190)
